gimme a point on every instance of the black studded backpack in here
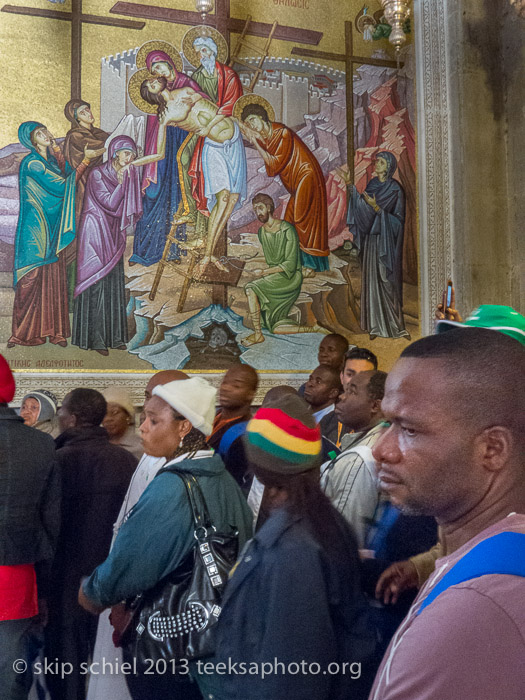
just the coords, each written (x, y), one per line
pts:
(174, 622)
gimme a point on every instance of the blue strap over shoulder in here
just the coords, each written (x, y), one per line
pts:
(501, 554)
(229, 437)
(385, 518)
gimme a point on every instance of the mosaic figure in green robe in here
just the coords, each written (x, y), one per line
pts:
(274, 290)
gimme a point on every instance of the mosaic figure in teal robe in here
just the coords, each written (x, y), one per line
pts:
(46, 226)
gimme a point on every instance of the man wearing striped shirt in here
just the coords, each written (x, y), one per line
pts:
(349, 480)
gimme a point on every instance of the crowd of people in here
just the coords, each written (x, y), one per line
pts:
(379, 521)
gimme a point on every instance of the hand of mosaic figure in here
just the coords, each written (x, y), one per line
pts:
(91, 153)
(248, 133)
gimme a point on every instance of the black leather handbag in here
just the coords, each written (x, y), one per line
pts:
(176, 619)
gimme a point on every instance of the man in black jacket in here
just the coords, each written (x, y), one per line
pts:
(95, 476)
(29, 521)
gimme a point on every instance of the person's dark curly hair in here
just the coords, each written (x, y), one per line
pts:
(87, 405)
(192, 442)
(263, 198)
(356, 353)
(255, 110)
(306, 501)
(376, 385)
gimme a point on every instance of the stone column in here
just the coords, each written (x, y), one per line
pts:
(469, 60)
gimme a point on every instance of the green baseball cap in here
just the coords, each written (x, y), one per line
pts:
(494, 317)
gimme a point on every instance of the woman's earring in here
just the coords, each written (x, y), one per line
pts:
(181, 443)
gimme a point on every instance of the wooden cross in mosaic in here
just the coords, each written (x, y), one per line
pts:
(221, 20)
(77, 19)
(350, 62)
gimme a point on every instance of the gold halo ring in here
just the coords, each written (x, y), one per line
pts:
(203, 31)
(157, 45)
(134, 84)
(365, 21)
(252, 99)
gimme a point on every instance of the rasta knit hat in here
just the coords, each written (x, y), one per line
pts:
(504, 319)
(283, 437)
(193, 398)
(7, 381)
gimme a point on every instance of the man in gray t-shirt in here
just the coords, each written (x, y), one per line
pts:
(454, 450)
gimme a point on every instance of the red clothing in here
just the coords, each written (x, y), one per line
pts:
(18, 593)
(301, 174)
(221, 425)
(469, 643)
(234, 457)
(40, 309)
(229, 89)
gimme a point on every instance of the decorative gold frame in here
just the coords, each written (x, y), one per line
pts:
(61, 382)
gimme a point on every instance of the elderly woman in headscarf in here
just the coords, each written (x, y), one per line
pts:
(46, 227)
(119, 420)
(112, 204)
(376, 220)
(39, 409)
(160, 180)
(158, 535)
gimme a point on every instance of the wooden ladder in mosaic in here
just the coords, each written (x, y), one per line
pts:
(171, 239)
(243, 42)
(219, 280)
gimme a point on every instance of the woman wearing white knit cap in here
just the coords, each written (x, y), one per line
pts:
(158, 534)
(119, 420)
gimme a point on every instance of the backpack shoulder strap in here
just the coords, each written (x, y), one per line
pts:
(201, 516)
(229, 437)
(501, 554)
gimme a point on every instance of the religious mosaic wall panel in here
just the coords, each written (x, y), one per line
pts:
(179, 192)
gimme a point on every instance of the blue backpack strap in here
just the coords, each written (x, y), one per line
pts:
(501, 554)
(229, 437)
(384, 520)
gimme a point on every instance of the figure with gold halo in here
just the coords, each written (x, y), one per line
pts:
(223, 156)
(161, 186)
(207, 50)
(285, 154)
